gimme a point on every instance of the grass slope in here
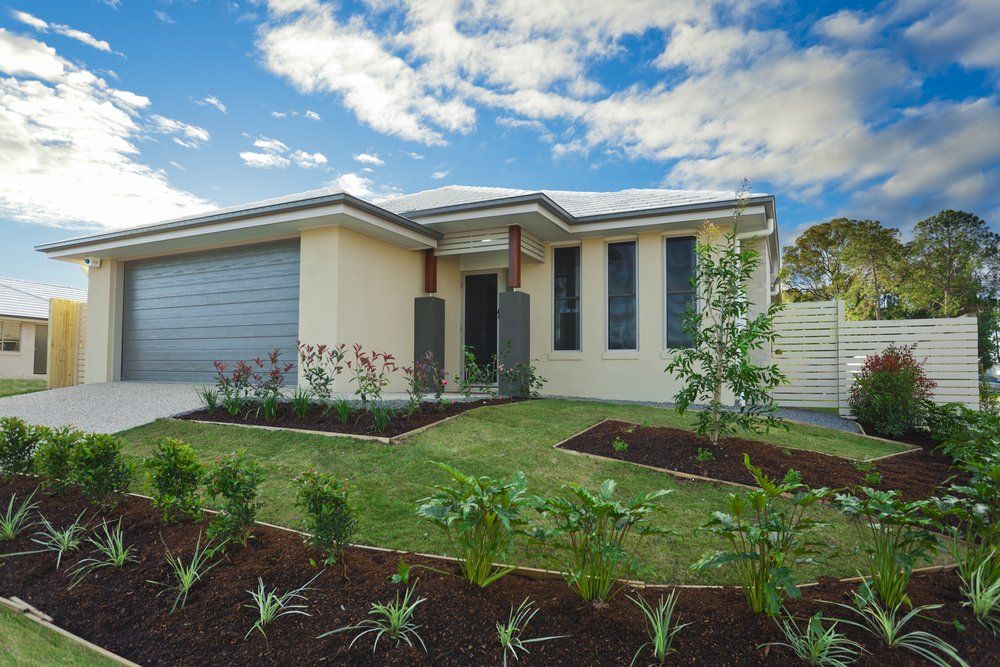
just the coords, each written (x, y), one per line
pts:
(387, 481)
(10, 387)
(25, 643)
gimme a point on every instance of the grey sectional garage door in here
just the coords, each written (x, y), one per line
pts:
(183, 312)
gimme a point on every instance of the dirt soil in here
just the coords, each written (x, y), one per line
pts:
(360, 422)
(120, 610)
(915, 474)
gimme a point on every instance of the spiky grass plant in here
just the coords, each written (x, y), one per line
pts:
(16, 518)
(393, 620)
(982, 595)
(660, 627)
(888, 625)
(270, 605)
(185, 575)
(817, 645)
(509, 634)
(64, 541)
(111, 552)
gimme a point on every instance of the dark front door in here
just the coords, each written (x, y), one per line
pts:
(481, 316)
(41, 349)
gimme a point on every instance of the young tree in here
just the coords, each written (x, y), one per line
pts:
(872, 254)
(723, 336)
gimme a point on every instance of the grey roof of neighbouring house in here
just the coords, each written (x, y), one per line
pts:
(20, 298)
(576, 204)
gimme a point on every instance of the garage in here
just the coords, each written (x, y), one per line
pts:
(180, 313)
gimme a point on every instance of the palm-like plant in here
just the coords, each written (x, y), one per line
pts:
(660, 627)
(393, 620)
(481, 517)
(510, 634)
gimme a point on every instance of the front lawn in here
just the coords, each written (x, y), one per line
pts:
(388, 480)
(13, 387)
(28, 643)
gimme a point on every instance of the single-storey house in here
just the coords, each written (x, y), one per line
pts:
(591, 286)
(24, 325)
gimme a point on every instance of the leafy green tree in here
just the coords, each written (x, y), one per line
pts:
(872, 254)
(814, 268)
(723, 335)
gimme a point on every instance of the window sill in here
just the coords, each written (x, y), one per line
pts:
(620, 354)
(565, 355)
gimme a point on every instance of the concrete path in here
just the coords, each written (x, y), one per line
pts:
(104, 408)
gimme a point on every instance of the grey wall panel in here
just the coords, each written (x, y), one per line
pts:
(181, 313)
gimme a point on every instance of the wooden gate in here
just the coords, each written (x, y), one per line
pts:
(65, 337)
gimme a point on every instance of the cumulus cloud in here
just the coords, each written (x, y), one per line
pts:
(438, 175)
(264, 160)
(362, 186)
(309, 160)
(369, 158)
(275, 154)
(212, 101)
(183, 134)
(70, 146)
(64, 30)
(311, 115)
(270, 145)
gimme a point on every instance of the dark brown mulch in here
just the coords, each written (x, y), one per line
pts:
(360, 422)
(120, 610)
(915, 474)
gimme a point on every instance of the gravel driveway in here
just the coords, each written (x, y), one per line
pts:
(108, 407)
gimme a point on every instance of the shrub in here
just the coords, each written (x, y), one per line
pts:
(481, 517)
(233, 386)
(521, 379)
(894, 535)
(962, 433)
(99, 467)
(371, 373)
(53, 458)
(266, 383)
(476, 376)
(234, 480)
(17, 447)
(765, 540)
(175, 475)
(320, 365)
(423, 377)
(598, 527)
(329, 519)
(705, 455)
(891, 393)
(619, 444)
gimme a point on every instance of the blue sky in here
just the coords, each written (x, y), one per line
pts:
(120, 112)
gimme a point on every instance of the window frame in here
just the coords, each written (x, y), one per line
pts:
(667, 292)
(579, 299)
(634, 241)
(16, 341)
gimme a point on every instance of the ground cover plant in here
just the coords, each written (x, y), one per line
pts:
(457, 622)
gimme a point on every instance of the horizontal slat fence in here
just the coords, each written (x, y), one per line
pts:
(820, 352)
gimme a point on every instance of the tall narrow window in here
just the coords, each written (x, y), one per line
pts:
(566, 293)
(680, 259)
(622, 321)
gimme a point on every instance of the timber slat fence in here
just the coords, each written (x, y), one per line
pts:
(819, 351)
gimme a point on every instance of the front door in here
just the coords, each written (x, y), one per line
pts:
(481, 316)
(41, 349)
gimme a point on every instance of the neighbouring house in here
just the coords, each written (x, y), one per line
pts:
(24, 325)
(591, 286)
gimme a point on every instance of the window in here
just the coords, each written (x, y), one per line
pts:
(622, 321)
(680, 262)
(566, 295)
(10, 336)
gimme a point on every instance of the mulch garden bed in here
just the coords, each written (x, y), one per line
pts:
(915, 474)
(360, 421)
(121, 611)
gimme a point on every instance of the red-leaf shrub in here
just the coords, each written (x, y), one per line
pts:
(891, 394)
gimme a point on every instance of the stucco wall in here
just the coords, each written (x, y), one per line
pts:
(104, 294)
(20, 364)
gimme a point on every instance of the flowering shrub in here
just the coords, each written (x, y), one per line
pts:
(371, 373)
(262, 381)
(321, 364)
(891, 394)
(233, 386)
(522, 379)
(423, 377)
(475, 376)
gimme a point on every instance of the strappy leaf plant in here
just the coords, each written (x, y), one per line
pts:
(184, 575)
(817, 645)
(271, 605)
(111, 552)
(661, 627)
(16, 518)
(393, 621)
(767, 537)
(510, 634)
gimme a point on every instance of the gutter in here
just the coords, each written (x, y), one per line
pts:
(766, 232)
(211, 218)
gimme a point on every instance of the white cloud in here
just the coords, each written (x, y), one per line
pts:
(64, 30)
(438, 175)
(311, 115)
(355, 184)
(851, 26)
(190, 136)
(964, 31)
(415, 156)
(270, 145)
(369, 158)
(264, 160)
(279, 114)
(309, 160)
(163, 17)
(213, 101)
(70, 146)
(177, 165)
(522, 123)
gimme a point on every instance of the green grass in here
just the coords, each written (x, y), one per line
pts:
(387, 481)
(11, 387)
(24, 642)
